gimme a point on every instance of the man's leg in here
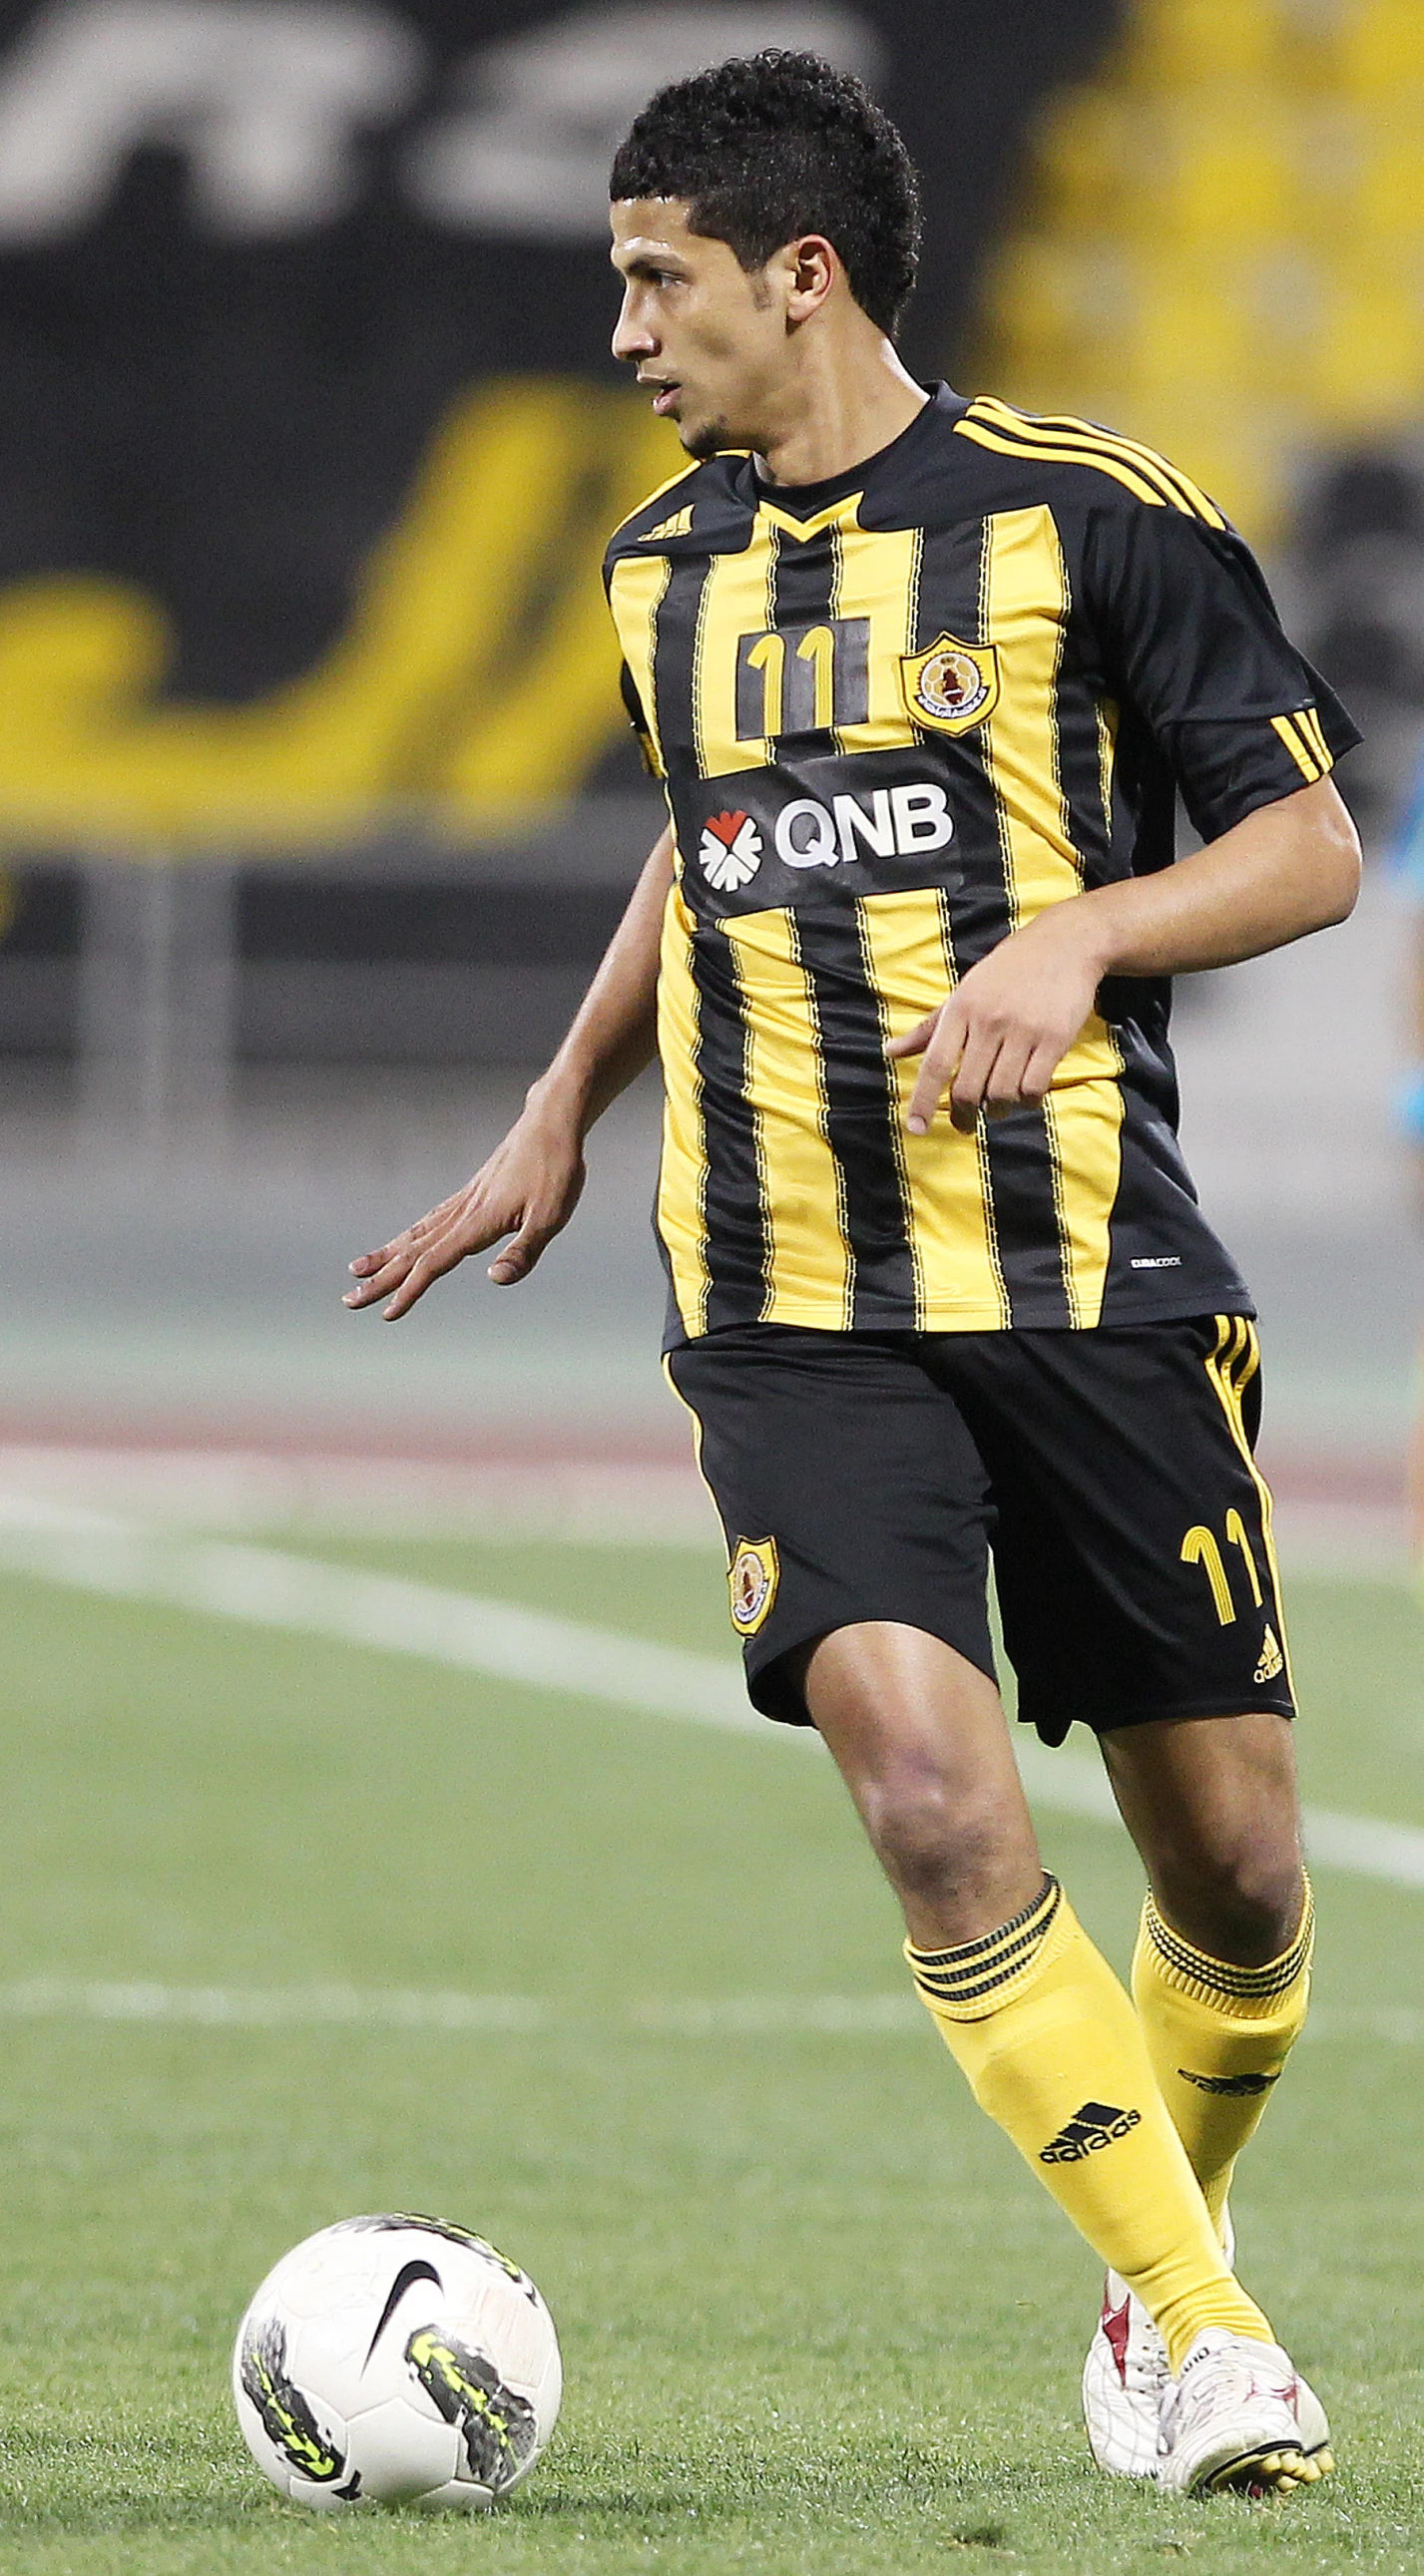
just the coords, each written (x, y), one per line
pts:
(1137, 1589)
(855, 1502)
(1221, 1979)
(1221, 1974)
(1042, 2029)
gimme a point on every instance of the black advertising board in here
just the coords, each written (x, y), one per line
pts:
(309, 433)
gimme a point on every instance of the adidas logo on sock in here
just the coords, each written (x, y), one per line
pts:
(1243, 2085)
(1093, 2125)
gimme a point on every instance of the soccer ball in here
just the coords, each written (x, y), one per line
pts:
(396, 2360)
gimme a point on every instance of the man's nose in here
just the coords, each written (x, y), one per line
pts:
(631, 338)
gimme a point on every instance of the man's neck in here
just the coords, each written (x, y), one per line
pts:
(841, 416)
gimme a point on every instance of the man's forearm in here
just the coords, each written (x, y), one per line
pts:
(614, 1031)
(1290, 868)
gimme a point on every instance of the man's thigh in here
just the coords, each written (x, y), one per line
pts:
(849, 1491)
(1133, 1556)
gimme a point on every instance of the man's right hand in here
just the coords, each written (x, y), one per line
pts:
(529, 1189)
(530, 1186)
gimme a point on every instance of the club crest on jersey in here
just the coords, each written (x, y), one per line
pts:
(752, 1579)
(729, 854)
(953, 685)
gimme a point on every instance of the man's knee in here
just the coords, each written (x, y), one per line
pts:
(1211, 1806)
(1241, 1903)
(918, 1735)
(934, 1831)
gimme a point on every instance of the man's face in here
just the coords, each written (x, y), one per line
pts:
(707, 338)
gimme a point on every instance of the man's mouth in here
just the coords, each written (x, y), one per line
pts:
(664, 396)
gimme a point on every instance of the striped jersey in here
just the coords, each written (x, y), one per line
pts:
(896, 715)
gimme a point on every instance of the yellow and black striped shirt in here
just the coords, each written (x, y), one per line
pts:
(896, 716)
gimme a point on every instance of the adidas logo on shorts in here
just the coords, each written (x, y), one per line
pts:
(1272, 1660)
(1093, 2125)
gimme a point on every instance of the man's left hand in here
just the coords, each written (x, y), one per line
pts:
(998, 1040)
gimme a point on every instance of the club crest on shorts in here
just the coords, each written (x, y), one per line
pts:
(953, 685)
(752, 1579)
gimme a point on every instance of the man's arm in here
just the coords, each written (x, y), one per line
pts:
(1289, 868)
(531, 1184)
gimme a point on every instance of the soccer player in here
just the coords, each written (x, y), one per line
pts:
(921, 677)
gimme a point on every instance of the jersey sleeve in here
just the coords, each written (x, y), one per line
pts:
(637, 717)
(1187, 634)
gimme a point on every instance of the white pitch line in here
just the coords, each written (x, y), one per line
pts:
(268, 1588)
(265, 2007)
(342, 2008)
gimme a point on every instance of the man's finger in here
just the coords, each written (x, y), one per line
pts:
(380, 1282)
(401, 1247)
(1003, 1090)
(417, 1279)
(966, 1099)
(1040, 1069)
(941, 1056)
(915, 1040)
(936, 1075)
(518, 1258)
(395, 1261)
(368, 1262)
(940, 1068)
(446, 1251)
(416, 1272)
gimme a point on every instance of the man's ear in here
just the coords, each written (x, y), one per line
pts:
(813, 269)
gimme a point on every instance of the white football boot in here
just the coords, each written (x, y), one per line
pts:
(1230, 2421)
(1126, 2381)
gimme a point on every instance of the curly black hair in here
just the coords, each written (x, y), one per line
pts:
(772, 145)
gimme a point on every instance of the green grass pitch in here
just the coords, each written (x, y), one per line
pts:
(815, 2315)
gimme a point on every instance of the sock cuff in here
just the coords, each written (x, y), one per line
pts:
(1193, 1972)
(975, 1978)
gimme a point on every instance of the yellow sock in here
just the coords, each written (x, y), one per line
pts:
(1055, 2053)
(1218, 2038)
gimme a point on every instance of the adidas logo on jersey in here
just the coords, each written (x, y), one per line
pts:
(679, 525)
(1272, 1660)
(1094, 2125)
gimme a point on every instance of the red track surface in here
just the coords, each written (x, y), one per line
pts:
(1360, 1480)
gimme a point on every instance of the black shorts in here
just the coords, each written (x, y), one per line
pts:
(1110, 1473)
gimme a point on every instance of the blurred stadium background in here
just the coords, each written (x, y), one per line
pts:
(305, 314)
